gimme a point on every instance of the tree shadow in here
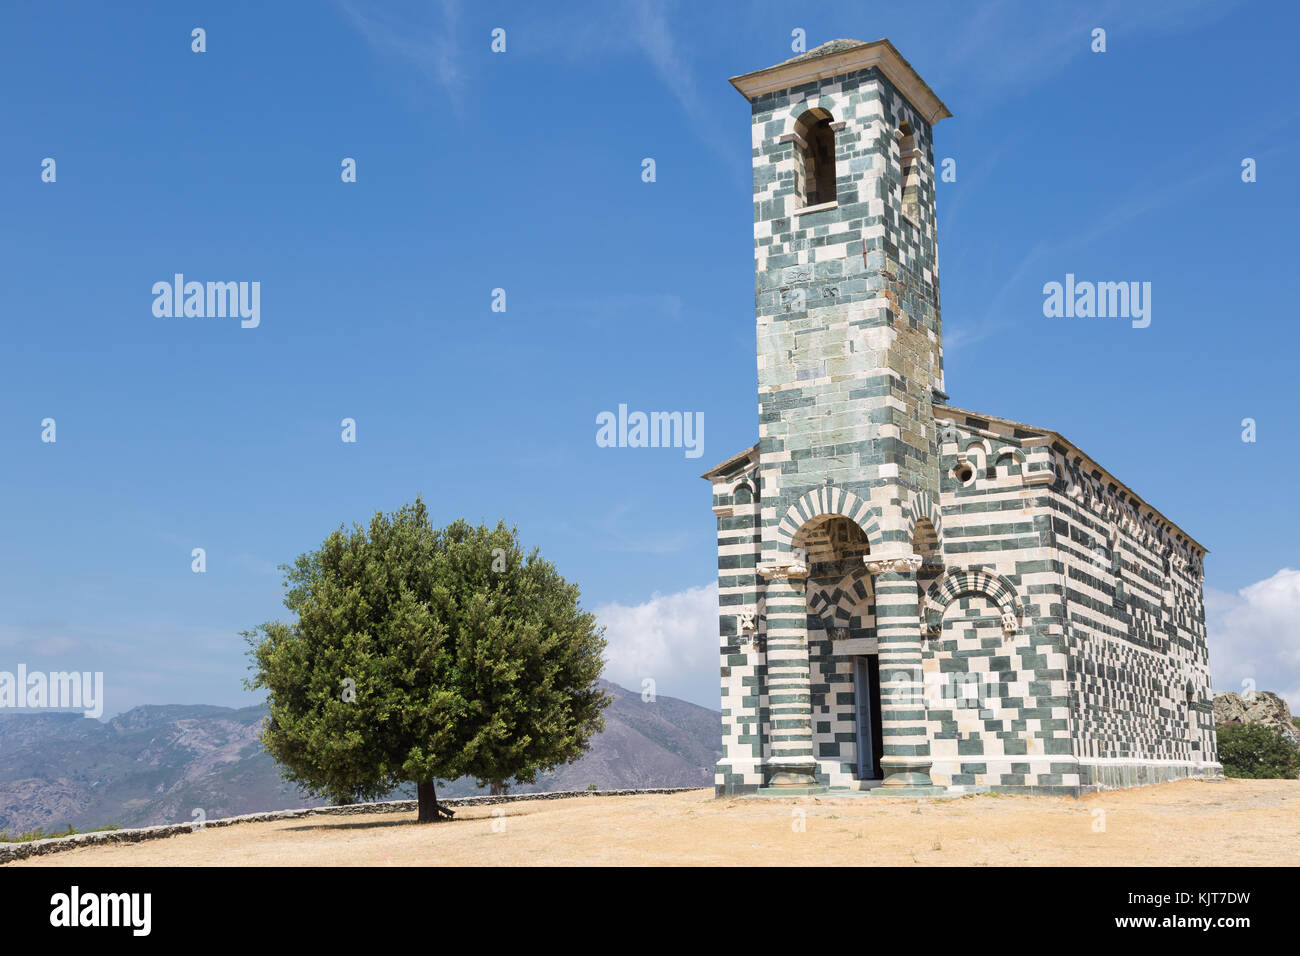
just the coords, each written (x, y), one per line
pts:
(401, 821)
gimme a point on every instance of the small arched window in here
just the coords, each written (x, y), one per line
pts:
(909, 158)
(815, 151)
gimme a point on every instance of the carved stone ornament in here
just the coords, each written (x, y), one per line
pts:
(1009, 621)
(899, 564)
(747, 620)
(789, 569)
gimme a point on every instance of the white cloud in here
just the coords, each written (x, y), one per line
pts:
(1255, 635)
(414, 34)
(651, 31)
(671, 639)
(647, 28)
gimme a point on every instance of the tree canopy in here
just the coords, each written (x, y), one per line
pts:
(421, 654)
(1255, 750)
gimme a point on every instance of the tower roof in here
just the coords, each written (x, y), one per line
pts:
(845, 56)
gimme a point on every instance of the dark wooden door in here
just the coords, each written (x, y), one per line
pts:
(866, 686)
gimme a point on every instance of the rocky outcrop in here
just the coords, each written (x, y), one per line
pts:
(1260, 707)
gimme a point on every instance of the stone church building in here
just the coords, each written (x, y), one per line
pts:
(917, 599)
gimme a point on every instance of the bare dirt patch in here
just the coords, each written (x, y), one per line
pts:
(1186, 823)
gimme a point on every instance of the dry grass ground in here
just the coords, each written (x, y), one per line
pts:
(1187, 823)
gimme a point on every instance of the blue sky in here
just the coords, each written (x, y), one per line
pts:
(522, 171)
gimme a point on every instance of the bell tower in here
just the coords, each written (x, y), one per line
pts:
(846, 274)
(850, 364)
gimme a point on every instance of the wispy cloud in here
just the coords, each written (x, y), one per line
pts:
(423, 36)
(995, 315)
(614, 538)
(53, 646)
(1000, 49)
(600, 308)
(649, 29)
(259, 565)
(644, 28)
(53, 638)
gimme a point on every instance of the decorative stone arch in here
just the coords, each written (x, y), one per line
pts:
(747, 483)
(827, 502)
(948, 432)
(958, 581)
(974, 453)
(980, 454)
(813, 132)
(920, 505)
(836, 605)
(1010, 461)
(829, 104)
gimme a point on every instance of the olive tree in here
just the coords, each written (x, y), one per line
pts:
(421, 654)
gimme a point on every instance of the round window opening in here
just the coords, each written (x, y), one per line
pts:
(963, 473)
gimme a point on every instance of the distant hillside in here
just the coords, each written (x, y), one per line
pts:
(149, 765)
(156, 764)
(668, 743)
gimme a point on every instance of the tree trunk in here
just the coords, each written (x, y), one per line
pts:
(496, 788)
(426, 793)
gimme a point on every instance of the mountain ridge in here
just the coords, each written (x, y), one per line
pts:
(160, 763)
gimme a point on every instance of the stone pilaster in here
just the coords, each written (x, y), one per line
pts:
(790, 763)
(906, 745)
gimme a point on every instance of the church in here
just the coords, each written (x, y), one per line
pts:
(916, 599)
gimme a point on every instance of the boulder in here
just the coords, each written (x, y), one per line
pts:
(1261, 707)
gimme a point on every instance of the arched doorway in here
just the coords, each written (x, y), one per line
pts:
(818, 594)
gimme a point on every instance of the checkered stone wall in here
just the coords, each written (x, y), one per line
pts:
(1133, 591)
(741, 624)
(1113, 593)
(846, 298)
(1042, 628)
(998, 557)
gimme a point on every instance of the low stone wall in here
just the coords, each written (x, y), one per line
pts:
(21, 851)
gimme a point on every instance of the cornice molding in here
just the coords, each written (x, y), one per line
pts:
(878, 53)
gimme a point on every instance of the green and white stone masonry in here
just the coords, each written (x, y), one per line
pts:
(914, 598)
